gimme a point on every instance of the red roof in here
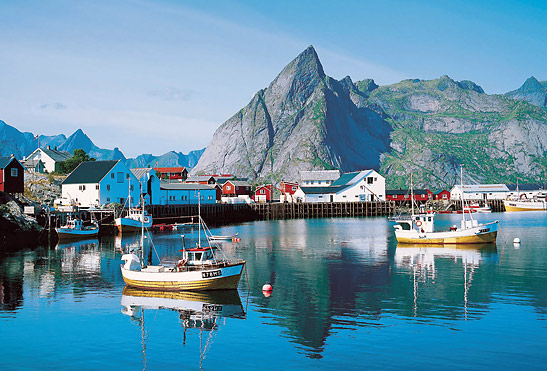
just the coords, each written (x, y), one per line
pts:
(169, 169)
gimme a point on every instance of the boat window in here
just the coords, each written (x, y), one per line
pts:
(417, 218)
(198, 256)
(429, 219)
(405, 226)
(190, 256)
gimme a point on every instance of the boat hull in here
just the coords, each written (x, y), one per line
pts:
(226, 277)
(130, 225)
(477, 235)
(525, 205)
(72, 234)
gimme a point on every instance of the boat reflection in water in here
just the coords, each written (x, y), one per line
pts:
(204, 311)
(434, 264)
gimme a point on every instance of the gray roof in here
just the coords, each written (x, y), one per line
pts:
(186, 186)
(482, 188)
(320, 175)
(140, 172)
(90, 172)
(57, 156)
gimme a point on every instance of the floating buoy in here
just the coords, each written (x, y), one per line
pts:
(267, 287)
(267, 294)
(516, 240)
(236, 239)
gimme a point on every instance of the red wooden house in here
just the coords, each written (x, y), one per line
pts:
(172, 173)
(288, 188)
(442, 195)
(263, 193)
(234, 188)
(12, 177)
(404, 195)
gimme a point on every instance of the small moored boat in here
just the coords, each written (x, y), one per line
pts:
(420, 229)
(199, 268)
(75, 229)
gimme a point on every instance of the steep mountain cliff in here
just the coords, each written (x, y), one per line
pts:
(306, 120)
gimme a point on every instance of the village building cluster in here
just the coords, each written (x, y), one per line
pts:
(97, 183)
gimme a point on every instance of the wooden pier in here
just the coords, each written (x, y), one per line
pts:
(217, 214)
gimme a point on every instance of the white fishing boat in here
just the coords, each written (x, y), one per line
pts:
(199, 268)
(420, 229)
(521, 202)
(525, 205)
(477, 208)
(75, 229)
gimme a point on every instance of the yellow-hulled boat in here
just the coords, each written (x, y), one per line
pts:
(420, 229)
(525, 205)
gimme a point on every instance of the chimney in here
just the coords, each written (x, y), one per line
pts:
(48, 147)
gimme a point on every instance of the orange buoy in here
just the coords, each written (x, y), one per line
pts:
(236, 239)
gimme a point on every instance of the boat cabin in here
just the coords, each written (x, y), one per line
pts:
(199, 256)
(420, 223)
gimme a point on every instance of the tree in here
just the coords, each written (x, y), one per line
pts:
(78, 156)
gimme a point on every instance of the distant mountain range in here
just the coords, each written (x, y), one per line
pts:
(20, 144)
(306, 120)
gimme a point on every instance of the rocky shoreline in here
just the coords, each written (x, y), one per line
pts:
(16, 227)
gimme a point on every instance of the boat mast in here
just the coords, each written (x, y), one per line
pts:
(461, 193)
(142, 228)
(199, 217)
(411, 195)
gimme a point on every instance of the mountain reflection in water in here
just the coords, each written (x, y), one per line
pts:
(337, 284)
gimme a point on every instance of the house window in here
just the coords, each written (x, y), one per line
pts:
(127, 176)
(294, 188)
(112, 175)
(97, 187)
(108, 187)
(228, 187)
(108, 199)
(370, 180)
(119, 177)
(14, 172)
(262, 191)
(131, 187)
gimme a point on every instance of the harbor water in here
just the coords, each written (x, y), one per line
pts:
(345, 296)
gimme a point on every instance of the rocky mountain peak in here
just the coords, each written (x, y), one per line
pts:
(531, 91)
(531, 85)
(299, 78)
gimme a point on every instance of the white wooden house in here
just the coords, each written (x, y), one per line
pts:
(97, 183)
(49, 157)
(365, 185)
(479, 192)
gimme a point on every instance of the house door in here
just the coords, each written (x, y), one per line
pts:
(331, 198)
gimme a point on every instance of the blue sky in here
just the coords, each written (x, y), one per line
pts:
(152, 76)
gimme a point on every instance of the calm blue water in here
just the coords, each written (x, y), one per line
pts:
(345, 297)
